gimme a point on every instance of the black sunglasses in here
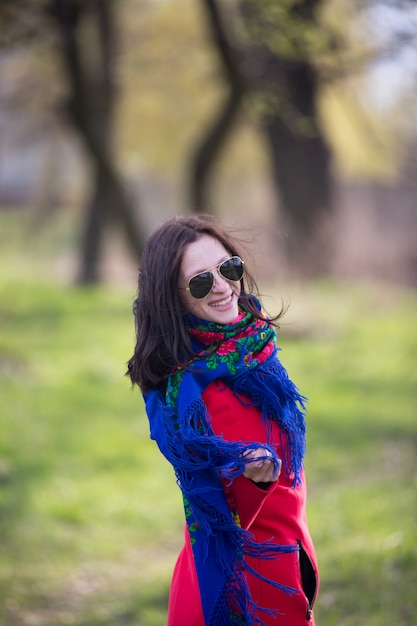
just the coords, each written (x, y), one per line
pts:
(201, 284)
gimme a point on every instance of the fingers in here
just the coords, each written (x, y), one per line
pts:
(261, 469)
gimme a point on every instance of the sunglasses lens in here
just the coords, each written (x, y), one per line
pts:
(232, 269)
(201, 285)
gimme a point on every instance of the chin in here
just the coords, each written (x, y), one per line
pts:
(228, 317)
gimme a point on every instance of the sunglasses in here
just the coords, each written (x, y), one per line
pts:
(201, 284)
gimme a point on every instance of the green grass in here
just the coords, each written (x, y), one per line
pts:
(90, 517)
(357, 365)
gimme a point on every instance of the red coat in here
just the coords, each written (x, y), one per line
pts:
(277, 513)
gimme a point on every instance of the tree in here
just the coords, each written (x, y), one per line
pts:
(91, 107)
(274, 64)
(213, 141)
(279, 56)
(285, 43)
(84, 33)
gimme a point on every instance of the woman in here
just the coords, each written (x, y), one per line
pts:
(225, 414)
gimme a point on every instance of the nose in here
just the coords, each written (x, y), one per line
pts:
(220, 283)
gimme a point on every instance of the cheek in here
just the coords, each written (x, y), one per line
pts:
(237, 288)
(187, 302)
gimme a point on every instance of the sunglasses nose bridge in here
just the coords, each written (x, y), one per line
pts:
(218, 279)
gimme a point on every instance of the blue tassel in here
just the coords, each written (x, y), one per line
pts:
(182, 430)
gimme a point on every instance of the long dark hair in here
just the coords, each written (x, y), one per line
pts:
(162, 341)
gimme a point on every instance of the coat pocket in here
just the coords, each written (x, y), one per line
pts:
(308, 579)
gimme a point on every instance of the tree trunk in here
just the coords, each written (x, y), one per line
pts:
(289, 84)
(301, 168)
(92, 239)
(212, 142)
(208, 150)
(287, 87)
(90, 106)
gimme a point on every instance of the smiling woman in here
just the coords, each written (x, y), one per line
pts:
(225, 414)
(211, 294)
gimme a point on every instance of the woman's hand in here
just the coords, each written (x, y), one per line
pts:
(263, 470)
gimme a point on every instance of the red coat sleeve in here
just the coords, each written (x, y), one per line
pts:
(237, 421)
(247, 498)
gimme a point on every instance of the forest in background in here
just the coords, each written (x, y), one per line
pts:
(90, 517)
(125, 113)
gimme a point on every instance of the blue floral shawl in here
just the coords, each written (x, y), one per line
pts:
(244, 356)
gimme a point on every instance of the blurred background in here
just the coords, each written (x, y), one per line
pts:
(295, 123)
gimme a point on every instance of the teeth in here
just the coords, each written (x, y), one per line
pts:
(223, 302)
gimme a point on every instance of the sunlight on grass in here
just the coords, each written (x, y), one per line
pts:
(90, 516)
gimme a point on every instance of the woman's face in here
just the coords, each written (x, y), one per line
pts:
(221, 304)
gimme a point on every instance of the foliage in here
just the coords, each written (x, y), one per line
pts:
(90, 517)
(164, 100)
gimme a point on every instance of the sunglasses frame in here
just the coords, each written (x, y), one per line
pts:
(209, 271)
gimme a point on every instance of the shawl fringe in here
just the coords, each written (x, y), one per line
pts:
(246, 360)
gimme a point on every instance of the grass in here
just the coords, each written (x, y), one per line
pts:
(90, 517)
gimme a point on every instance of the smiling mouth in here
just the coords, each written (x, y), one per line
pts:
(223, 302)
